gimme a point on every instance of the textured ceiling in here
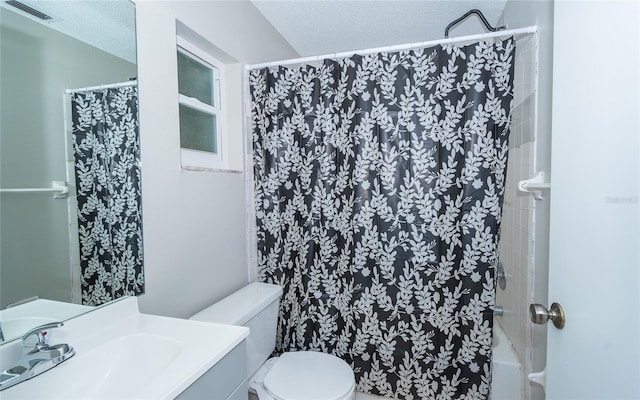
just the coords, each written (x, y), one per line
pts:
(314, 27)
(107, 25)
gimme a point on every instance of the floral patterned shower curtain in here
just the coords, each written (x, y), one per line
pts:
(107, 167)
(378, 191)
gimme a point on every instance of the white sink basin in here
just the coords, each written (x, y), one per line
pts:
(121, 353)
(122, 366)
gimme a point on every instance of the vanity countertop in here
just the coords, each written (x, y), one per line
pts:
(121, 353)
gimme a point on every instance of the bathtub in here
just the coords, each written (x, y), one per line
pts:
(507, 369)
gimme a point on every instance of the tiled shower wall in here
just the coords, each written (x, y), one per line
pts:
(517, 240)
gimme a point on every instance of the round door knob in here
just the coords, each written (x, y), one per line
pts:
(540, 315)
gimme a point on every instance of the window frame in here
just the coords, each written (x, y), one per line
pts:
(198, 159)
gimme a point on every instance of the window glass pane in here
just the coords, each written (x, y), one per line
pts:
(195, 79)
(197, 130)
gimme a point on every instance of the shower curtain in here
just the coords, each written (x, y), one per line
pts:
(378, 191)
(107, 168)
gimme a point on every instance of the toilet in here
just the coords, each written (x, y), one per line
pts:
(298, 375)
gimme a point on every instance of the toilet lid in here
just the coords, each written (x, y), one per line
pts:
(309, 375)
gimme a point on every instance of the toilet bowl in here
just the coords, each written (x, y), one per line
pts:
(305, 375)
(297, 375)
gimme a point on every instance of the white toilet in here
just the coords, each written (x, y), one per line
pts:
(296, 375)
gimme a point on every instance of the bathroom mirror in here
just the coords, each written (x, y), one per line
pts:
(48, 50)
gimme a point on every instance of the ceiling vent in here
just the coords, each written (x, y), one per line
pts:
(29, 10)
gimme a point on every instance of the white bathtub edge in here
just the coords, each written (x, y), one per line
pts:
(507, 378)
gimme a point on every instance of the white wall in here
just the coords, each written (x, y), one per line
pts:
(525, 241)
(194, 222)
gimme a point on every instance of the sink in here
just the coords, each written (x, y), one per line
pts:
(122, 366)
(122, 353)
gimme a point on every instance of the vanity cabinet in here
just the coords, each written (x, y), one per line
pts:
(225, 380)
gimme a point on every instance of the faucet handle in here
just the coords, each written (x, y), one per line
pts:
(38, 332)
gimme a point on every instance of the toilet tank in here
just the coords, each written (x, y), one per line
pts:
(256, 307)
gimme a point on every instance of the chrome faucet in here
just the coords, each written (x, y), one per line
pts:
(39, 359)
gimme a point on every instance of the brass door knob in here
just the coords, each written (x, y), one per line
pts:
(540, 315)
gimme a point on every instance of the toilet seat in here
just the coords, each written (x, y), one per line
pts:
(306, 375)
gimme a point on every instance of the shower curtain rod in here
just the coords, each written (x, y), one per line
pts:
(408, 46)
(101, 87)
(469, 13)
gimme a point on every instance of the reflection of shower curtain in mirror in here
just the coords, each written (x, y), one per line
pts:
(107, 168)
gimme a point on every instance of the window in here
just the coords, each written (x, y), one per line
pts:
(200, 79)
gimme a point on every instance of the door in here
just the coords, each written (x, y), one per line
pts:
(594, 256)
